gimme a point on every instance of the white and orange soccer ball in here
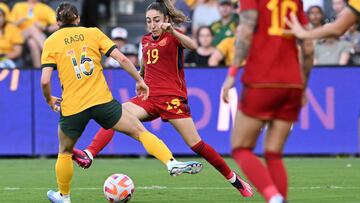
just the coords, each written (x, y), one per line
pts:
(118, 188)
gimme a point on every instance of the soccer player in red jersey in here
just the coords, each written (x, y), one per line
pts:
(164, 74)
(273, 85)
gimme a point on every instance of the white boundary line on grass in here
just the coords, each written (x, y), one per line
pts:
(158, 187)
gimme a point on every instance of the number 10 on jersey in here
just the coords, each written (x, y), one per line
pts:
(279, 10)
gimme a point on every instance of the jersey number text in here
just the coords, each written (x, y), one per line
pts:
(152, 56)
(83, 60)
(278, 15)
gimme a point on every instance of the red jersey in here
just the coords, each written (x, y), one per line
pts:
(273, 57)
(163, 59)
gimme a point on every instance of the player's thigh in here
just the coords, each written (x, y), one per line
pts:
(74, 125)
(148, 108)
(66, 143)
(246, 131)
(107, 114)
(276, 135)
(129, 124)
(136, 110)
(187, 130)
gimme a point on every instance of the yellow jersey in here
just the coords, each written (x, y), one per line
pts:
(227, 49)
(11, 36)
(76, 53)
(40, 13)
(5, 8)
(355, 5)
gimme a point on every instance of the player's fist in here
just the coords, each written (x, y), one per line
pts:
(167, 27)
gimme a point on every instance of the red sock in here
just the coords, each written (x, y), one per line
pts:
(213, 158)
(277, 171)
(255, 171)
(101, 139)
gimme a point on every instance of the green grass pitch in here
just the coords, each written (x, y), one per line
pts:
(312, 180)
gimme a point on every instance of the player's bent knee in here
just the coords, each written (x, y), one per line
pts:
(130, 125)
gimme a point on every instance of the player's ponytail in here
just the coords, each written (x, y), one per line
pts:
(66, 13)
(167, 8)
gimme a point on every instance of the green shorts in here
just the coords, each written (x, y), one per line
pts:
(106, 115)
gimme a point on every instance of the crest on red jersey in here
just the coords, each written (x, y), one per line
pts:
(163, 42)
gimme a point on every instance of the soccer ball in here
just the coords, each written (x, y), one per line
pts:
(118, 188)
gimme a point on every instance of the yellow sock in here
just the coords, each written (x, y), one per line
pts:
(64, 172)
(155, 147)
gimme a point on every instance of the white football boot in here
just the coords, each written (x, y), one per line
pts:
(56, 197)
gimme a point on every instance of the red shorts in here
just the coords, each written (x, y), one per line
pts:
(166, 107)
(271, 103)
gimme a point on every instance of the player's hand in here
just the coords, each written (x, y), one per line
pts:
(142, 90)
(228, 84)
(54, 103)
(167, 27)
(295, 27)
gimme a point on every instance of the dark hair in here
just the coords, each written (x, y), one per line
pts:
(315, 6)
(66, 13)
(167, 8)
(199, 30)
(321, 11)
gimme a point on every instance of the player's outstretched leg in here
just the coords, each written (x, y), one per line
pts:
(186, 128)
(84, 159)
(158, 149)
(208, 153)
(131, 126)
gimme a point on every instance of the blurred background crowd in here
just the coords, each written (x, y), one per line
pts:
(24, 25)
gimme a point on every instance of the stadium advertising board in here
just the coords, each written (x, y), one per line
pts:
(328, 124)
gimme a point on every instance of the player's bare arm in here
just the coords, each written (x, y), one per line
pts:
(307, 56)
(142, 90)
(52, 101)
(245, 31)
(142, 68)
(248, 21)
(335, 29)
(307, 50)
(186, 41)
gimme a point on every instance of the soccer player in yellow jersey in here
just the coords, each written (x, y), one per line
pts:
(76, 53)
(348, 17)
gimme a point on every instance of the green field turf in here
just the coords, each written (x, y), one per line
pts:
(312, 180)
